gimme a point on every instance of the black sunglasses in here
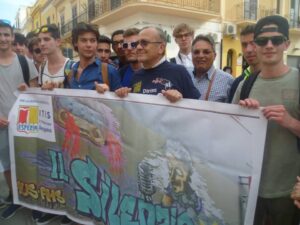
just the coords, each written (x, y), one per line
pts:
(132, 45)
(37, 50)
(276, 40)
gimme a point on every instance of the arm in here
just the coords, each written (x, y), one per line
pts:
(3, 122)
(296, 193)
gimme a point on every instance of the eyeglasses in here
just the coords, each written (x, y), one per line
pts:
(185, 35)
(132, 45)
(276, 40)
(204, 52)
(145, 43)
(37, 50)
(100, 50)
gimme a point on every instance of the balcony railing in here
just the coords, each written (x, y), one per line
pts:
(252, 12)
(98, 8)
(67, 27)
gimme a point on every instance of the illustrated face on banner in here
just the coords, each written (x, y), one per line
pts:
(179, 173)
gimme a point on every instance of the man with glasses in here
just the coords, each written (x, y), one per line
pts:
(249, 53)
(276, 89)
(36, 52)
(184, 36)
(52, 72)
(117, 45)
(11, 79)
(130, 43)
(158, 75)
(213, 84)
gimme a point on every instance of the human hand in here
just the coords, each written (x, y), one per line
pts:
(22, 87)
(101, 88)
(48, 86)
(249, 103)
(3, 122)
(123, 92)
(172, 95)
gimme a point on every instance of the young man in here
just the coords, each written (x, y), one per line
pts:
(52, 72)
(131, 36)
(19, 45)
(158, 75)
(90, 73)
(36, 52)
(12, 78)
(276, 88)
(117, 45)
(249, 53)
(212, 83)
(103, 49)
(184, 36)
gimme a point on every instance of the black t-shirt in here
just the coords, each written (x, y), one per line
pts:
(164, 77)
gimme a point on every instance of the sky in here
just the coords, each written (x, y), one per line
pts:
(9, 8)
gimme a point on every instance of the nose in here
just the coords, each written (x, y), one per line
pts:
(269, 44)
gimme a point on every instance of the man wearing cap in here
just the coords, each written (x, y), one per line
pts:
(276, 89)
(212, 83)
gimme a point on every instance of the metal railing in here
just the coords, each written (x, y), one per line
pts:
(246, 11)
(67, 27)
(98, 8)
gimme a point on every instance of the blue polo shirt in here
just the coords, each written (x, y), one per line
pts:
(93, 73)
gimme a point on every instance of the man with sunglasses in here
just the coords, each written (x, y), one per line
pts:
(36, 52)
(276, 89)
(117, 45)
(213, 84)
(130, 43)
(11, 80)
(158, 75)
(184, 36)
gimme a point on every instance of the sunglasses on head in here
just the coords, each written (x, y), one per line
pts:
(37, 50)
(276, 40)
(131, 44)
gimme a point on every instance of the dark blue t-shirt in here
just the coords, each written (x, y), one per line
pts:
(164, 77)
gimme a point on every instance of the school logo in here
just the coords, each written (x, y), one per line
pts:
(28, 119)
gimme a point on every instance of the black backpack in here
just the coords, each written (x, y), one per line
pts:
(247, 86)
(25, 68)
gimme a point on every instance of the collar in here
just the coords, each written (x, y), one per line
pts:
(208, 74)
(162, 60)
(96, 62)
(188, 56)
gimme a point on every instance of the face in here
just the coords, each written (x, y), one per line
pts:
(87, 45)
(203, 56)
(103, 52)
(117, 44)
(6, 38)
(150, 49)
(130, 48)
(249, 49)
(48, 44)
(271, 52)
(184, 40)
(178, 173)
(37, 55)
(18, 48)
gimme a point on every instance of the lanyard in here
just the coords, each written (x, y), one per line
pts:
(210, 85)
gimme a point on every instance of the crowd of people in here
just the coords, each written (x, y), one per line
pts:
(140, 66)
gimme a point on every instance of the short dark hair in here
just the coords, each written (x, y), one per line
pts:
(6, 23)
(131, 31)
(31, 42)
(249, 29)
(20, 39)
(116, 32)
(104, 39)
(206, 38)
(50, 28)
(82, 28)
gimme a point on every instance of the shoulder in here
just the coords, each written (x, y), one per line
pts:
(224, 75)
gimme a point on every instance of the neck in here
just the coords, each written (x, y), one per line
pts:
(185, 51)
(254, 68)
(273, 71)
(6, 53)
(55, 57)
(136, 66)
(84, 62)
(151, 64)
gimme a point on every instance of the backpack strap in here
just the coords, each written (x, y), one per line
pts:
(42, 72)
(104, 72)
(68, 72)
(25, 68)
(247, 86)
(173, 60)
(298, 138)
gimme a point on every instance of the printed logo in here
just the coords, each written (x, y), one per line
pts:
(28, 119)
(137, 87)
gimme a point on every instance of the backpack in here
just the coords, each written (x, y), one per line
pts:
(25, 68)
(247, 86)
(67, 71)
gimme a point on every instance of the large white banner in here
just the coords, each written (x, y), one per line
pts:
(139, 160)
